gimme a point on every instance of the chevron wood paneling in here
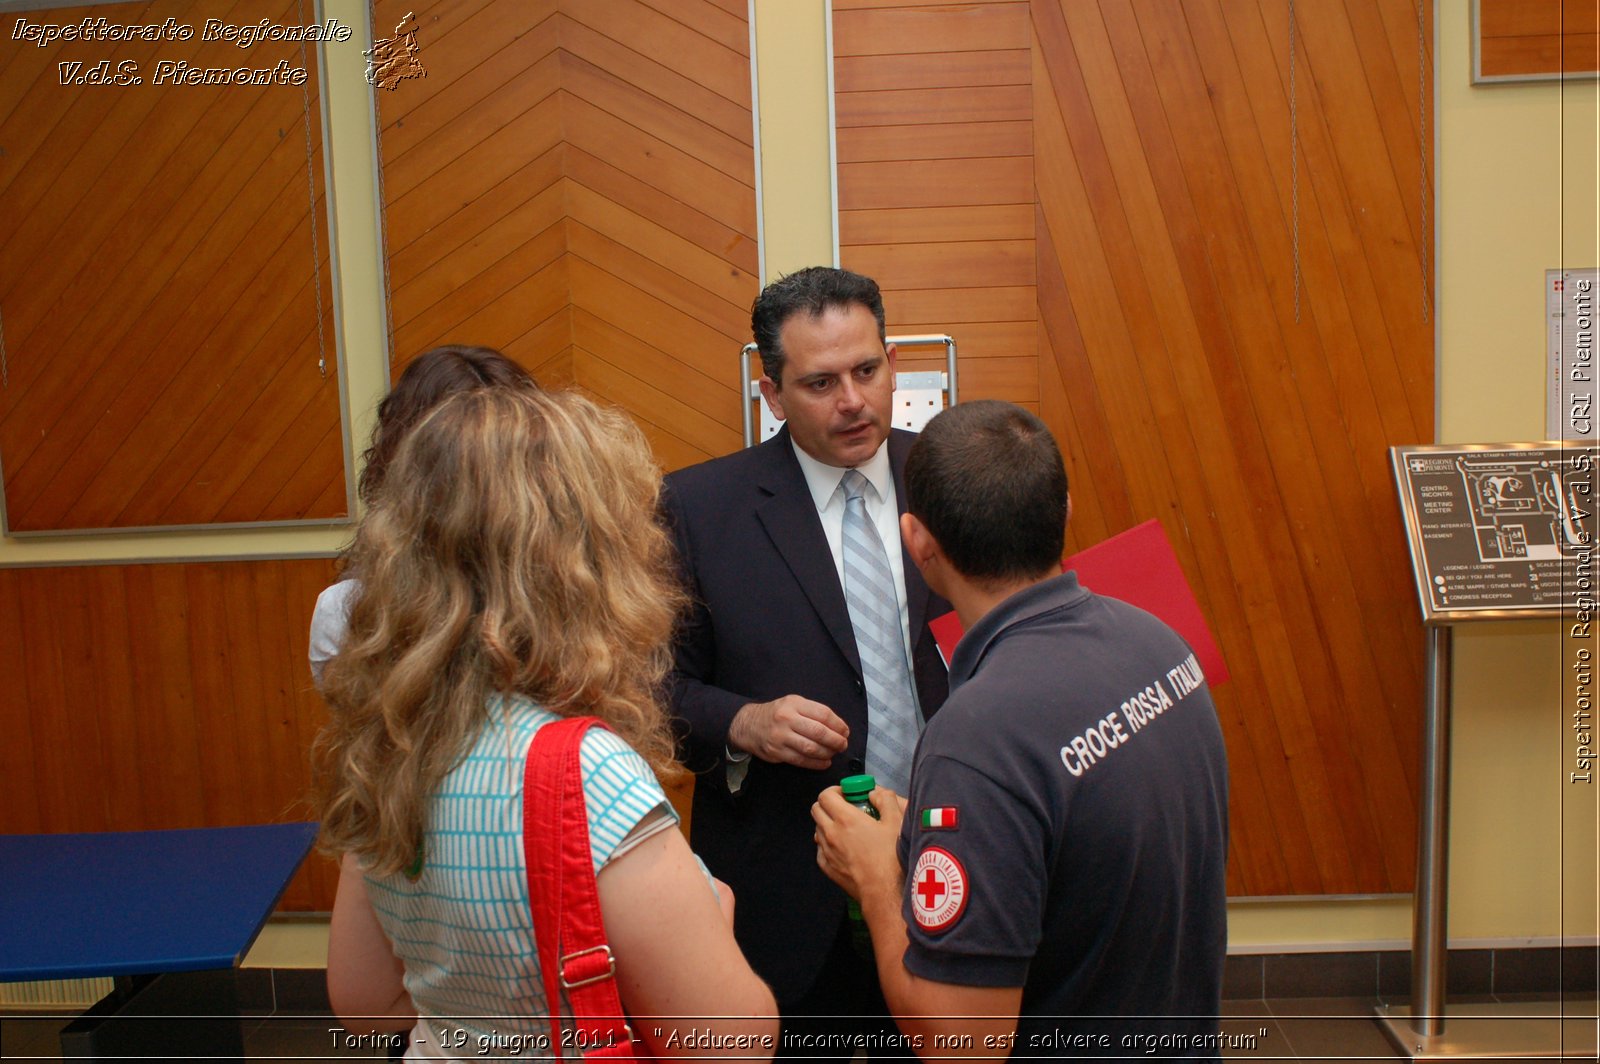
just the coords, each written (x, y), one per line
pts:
(573, 183)
(141, 697)
(165, 294)
(1102, 197)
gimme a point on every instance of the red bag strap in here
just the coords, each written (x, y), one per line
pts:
(567, 926)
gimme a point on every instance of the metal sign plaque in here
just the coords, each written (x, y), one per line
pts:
(1499, 530)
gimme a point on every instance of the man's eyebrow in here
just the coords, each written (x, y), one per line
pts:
(870, 360)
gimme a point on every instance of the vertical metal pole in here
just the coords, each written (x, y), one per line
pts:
(950, 370)
(1429, 940)
(744, 393)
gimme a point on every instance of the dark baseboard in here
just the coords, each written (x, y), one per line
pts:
(1386, 974)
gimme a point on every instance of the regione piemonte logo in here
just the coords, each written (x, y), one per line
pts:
(393, 59)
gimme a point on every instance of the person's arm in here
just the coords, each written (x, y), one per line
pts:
(678, 966)
(858, 853)
(703, 710)
(366, 981)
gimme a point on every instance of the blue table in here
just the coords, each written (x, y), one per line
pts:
(144, 903)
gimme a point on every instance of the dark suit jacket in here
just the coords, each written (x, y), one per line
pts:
(768, 618)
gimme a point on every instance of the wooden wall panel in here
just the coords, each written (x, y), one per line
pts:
(1519, 39)
(136, 220)
(574, 183)
(1161, 332)
(935, 149)
(161, 696)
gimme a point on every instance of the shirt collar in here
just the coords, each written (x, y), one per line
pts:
(823, 480)
(1059, 592)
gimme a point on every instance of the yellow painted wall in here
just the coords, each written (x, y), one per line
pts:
(793, 101)
(1518, 188)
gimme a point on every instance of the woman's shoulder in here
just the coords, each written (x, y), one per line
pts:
(336, 597)
(328, 622)
(602, 749)
(620, 790)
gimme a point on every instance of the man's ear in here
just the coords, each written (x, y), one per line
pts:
(919, 542)
(773, 397)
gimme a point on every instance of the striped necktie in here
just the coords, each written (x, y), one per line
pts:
(869, 594)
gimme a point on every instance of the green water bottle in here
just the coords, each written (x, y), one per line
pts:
(856, 789)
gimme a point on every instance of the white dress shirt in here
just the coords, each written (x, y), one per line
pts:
(883, 510)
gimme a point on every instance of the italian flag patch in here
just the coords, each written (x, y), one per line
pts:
(940, 818)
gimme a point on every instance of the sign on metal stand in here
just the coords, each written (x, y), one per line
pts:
(1497, 532)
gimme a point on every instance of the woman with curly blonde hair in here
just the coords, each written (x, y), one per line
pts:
(512, 574)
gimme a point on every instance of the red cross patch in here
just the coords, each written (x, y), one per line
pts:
(938, 889)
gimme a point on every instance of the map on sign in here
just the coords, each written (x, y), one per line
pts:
(1502, 530)
(1523, 508)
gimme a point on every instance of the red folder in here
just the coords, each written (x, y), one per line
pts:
(1139, 567)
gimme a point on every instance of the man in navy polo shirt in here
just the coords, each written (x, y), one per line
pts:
(1055, 884)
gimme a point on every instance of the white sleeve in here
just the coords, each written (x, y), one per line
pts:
(328, 623)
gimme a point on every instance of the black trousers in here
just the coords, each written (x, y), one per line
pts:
(843, 1011)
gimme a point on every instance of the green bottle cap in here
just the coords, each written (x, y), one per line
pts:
(856, 788)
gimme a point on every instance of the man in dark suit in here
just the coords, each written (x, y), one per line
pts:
(797, 664)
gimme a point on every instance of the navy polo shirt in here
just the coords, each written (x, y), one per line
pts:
(1067, 827)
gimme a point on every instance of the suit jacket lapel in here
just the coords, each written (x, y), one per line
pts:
(790, 519)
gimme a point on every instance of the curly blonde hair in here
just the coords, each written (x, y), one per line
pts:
(513, 548)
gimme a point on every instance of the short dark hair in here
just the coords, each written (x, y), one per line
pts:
(987, 480)
(428, 380)
(812, 290)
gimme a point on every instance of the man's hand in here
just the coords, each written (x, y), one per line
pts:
(790, 731)
(856, 851)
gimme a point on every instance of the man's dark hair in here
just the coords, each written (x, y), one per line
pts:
(987, 480)
(811, 290)
(428, 380)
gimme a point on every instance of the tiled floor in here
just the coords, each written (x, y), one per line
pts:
(1344, 1028)
(1297, 1029)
